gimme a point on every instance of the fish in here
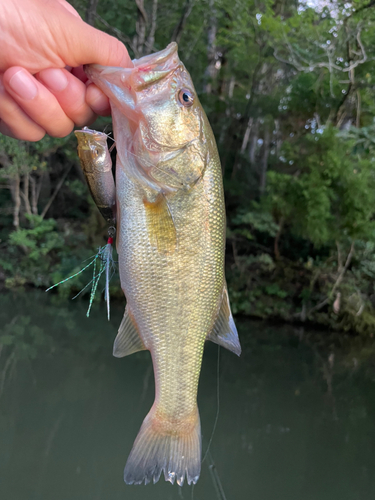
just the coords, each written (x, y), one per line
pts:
(170, 239)
(96, 165)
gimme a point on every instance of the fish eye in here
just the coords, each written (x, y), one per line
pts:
(186, 98)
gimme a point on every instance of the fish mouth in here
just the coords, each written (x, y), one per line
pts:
(159, 61)
(88, 132)
(120, 84)
(88, 138)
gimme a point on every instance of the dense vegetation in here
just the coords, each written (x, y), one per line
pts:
(289, 90)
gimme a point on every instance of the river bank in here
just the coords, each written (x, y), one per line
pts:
(325, 293)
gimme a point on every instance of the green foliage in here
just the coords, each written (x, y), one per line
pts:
(15, 157)
(274, 289)
(363, 139)
(330, 194)
(289, 91)
(39, 239)
(258, 219)
(31, 252)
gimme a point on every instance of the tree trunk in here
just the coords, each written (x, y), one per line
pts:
(337, 282)
(140, 27)
(54, 194)
(211, 70)
(339, 258)
(35, 191)
(358, 114)
(226, 123)
(341, 111)
(15, 190)
(91, 12)
(276, 248)
(25, 194)
(253, 143)
(247, 134)
(186, 11)
(151, 36)
(237, 165)
(278, 137)
(264, 164)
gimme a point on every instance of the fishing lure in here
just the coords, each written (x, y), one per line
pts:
(96, 165)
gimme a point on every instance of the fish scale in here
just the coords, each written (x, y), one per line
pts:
(171, 246)
(184, 270)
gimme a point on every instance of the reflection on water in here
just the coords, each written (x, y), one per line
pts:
(296, 420)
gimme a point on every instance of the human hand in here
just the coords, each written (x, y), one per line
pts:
(41, 38)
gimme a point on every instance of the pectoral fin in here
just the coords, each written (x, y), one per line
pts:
(224, 331)
(127, 340)
(160, 225)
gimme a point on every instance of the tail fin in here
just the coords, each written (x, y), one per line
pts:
(174, 448)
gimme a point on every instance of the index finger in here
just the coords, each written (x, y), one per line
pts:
(88, 45)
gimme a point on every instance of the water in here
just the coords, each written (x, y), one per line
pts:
(296, 419)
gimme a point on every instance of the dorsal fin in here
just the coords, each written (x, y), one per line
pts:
(127, 340)
(224, 331)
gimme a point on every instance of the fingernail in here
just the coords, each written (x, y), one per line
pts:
(22, 83)
(54, 79)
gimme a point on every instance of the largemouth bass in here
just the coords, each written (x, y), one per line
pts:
(171, 245)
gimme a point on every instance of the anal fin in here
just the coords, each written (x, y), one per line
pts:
(127, 340)
(224, 331)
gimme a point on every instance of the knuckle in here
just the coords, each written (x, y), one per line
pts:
(36, 135)
(87, 119)
(61, 126)
(60, 133)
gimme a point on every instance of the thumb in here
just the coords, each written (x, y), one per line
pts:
(88, 45)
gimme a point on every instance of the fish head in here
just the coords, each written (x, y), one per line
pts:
(93, 150)
(157, 116)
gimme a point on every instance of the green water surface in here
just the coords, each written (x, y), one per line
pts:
(296, 413)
